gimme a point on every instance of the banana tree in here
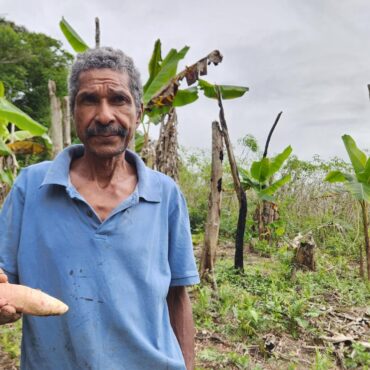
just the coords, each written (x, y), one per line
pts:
(16, 142)
(260, 178)
(359, 186)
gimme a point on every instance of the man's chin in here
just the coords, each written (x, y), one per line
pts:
(106, 147)
(105, 151)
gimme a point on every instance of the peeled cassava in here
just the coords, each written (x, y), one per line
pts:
(31, 301)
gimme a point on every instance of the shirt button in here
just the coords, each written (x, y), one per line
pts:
(89, 213)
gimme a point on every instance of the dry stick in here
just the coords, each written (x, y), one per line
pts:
(270, 134)
(97, 33)
(242, 198)
(212, 228)
(261, 207)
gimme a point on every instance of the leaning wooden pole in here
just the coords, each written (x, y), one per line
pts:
(212, 227)
(56, 129)
(242, 198)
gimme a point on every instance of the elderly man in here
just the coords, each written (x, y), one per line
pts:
(105, 234)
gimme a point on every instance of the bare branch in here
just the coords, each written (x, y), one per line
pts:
(97, 33)
(270, 134)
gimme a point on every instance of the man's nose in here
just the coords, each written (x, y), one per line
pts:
(104, 114)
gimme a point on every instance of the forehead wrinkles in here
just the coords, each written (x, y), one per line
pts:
(100, 78)
(109, 84)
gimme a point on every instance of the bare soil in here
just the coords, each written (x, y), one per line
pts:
(6, 362)
(342, 326)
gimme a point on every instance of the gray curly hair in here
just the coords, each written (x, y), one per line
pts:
(105, 57)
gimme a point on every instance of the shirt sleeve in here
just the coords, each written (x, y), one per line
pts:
(10, 231)
(181, 256)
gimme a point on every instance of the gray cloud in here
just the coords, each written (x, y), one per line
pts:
(308, 58)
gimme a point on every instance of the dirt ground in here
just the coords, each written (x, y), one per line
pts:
(7, 363)
(342, 326)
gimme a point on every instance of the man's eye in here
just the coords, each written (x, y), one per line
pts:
(89, 99)
(119, 99)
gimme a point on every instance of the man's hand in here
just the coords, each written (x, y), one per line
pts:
(8, 313)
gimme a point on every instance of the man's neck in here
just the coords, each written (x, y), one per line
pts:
(102, 171)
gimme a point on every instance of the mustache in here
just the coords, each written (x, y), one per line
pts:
(99, 129)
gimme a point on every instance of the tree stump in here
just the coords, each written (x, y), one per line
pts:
(304, 258)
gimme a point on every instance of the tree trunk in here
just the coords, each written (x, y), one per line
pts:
(243, 207)
(212, 228)
(366, 234)
(56, 129)
(148, 152)
(67, 140)
(167, 160)
(266, 213)
(362, 270)
(239, 239)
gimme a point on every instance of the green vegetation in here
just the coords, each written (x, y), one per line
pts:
(359, 187)
(28, 60)
(10, 339)
(264, 304)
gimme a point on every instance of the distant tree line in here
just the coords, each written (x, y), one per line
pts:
(27, 61)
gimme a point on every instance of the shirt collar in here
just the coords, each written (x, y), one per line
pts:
(148, 182)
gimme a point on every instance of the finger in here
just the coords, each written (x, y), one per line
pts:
(3, 302)
(3, 277)
(17, 316)
(6, 319)
(8, 310)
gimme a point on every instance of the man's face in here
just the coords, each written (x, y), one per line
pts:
(105, 114)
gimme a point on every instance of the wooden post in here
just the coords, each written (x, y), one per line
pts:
(212, 228)
(56, 129)
(66, 122)
(242, 198)
(364, 208)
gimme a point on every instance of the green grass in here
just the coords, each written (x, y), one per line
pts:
(10, 338)
(264, 299)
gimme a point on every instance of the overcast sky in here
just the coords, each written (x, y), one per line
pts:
(310, 59)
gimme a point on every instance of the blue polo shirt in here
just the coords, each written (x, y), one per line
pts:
(114, 275)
